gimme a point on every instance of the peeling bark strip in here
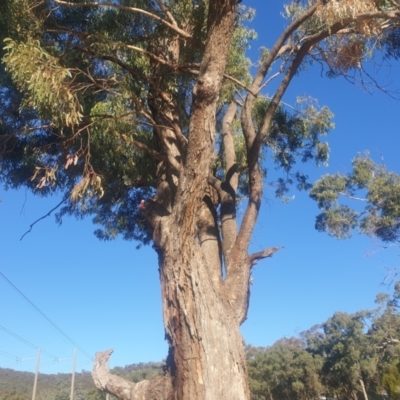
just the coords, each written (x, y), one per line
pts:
(159, 388)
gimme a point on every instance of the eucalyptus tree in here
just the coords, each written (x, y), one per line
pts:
(286, 370)
(349, 362)
(384, 338)
(145, 115)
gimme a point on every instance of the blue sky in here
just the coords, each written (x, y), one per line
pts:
(107, 294)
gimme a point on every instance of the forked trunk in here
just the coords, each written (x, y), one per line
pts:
(204, 268)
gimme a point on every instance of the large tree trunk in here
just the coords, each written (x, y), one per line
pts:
(206, 358)
(202, 328)
(204, 270)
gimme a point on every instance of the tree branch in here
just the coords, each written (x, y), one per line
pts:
(166, 12)
(229, 187)
(256, 257)
(254, 140)
(153, 56)
(44, 216)
(342, 24)
(146, 149)
(159, 388)
(278, 49)
(130, 9)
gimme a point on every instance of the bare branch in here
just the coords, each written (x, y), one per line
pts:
(353, 197)
(241, 84)
(44, 216)
(272, 77)
(229, 187)
(146, 149)
(182, 140)
(166, 12)
(343, 23)
(279, 48)
(152, 56)
(159, 388)
(269, 252)
(227, 136)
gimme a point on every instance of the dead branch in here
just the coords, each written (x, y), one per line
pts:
(44, 216)
(159, 388)
(256, 257)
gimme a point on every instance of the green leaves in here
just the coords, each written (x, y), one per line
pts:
(391, 380)
(284, 370)
(338, 222)
(379, 193)
(296, 136)
(47, 83)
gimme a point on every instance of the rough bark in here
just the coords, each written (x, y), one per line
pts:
(202, 329)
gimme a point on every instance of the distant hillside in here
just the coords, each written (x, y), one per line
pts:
(17, 385)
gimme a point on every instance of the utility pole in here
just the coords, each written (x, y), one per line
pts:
(108, 366)
(36, 375)
(73, 375)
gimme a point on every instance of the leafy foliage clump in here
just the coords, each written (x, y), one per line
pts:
(380, 191)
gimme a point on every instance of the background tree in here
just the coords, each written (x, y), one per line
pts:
(347, 356)
(114, 103)
(286, 370)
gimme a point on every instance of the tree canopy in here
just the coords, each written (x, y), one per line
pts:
(81, 82)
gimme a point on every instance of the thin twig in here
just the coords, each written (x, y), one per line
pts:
(130, 9)
(44, 216)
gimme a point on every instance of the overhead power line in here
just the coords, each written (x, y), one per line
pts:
(57, 328)
(3, 353)
(14, 335)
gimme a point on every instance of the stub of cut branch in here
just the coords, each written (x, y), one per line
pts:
(255, 257)
(159, 388)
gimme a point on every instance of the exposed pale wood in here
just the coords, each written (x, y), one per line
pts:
(159, 388)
